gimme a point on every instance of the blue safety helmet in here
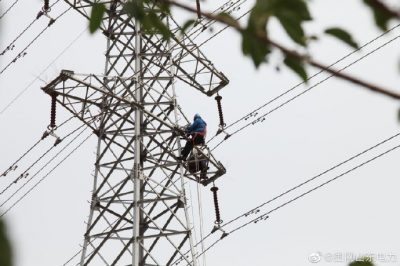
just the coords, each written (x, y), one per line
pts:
(196, 116)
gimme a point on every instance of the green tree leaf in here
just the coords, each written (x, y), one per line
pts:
(253, 47)
(381, 16)
(150, 19)
(5, 247)
(293, 28)
(290, 13)
(296, 66)
(134, 9)
(342, 35)
(362, 262)
(187, 25)
(96, 16)
(152, 24)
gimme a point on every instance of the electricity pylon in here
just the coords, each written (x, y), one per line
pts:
(138, 213)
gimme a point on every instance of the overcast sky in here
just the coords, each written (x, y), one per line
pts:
(357, 214)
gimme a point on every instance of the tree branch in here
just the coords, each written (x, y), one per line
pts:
(198, 9)
(263, 38)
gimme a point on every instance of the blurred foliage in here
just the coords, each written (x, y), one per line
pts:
(96, 16)
(382, 16)
(291, 15)
(362, 262)
(5, 247)
(297, 66)
(342, 35)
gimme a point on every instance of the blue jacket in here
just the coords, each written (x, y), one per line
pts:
(198, 125)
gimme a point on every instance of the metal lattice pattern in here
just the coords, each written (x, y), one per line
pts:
(138, 212)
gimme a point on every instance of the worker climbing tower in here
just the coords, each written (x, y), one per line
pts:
(138, 213)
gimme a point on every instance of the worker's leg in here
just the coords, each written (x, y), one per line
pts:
(199, 140)
(186, 150)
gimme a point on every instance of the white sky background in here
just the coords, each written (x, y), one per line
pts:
(356, 214)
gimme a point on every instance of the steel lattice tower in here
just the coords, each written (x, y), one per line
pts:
(138, 214)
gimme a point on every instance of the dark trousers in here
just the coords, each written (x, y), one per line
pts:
(195, 140)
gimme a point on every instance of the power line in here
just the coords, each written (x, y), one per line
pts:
(200, 27)
(14, 165)
(276, 98)
(253, 112)
(11, 46)
(8, 9)
(262, 118)
(25, 173)
(23, 51)
(225, 27)
(41, 169)
(48, 173)
(44, 70)
(48, 162)
(256, 209)
(265, 215)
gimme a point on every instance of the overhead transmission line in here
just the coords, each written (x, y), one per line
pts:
(59, 140)
(14, 165)
(291, 89)
(50, 171)
(262, 117)
(254, 112)
(257, 209)
(23, 52)
(26, 172)
(11, 45)
(8, 9)
(44, 70)
(201, 27)
(265, 215)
